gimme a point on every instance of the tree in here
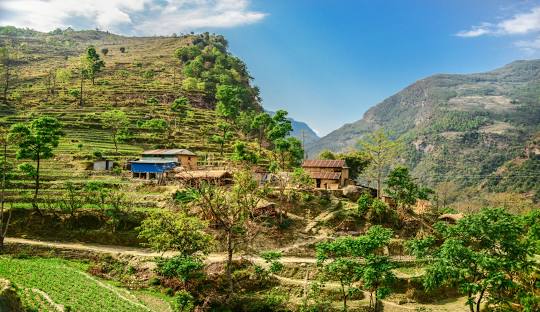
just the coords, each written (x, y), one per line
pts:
(261, 122)
(6, 63)
(334, 259)
(356, 161)
(403, 189)
(381, 152)
(63, 76)
(157, 126)
(484, 254)
(229, 102)
(358, 259)
(93, 63)
(36, 140)
(327, 154)
(72, 200)
(242, 153)
(122, 50)
(281, 126)
(6, 177)
(288, 153)
(231, 210)
(224, 135)
(104, 51)
(116, 121)
(166, 231)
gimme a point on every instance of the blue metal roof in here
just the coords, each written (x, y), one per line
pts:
(143, 167)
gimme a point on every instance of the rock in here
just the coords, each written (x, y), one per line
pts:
(9, 300)
(352, 192)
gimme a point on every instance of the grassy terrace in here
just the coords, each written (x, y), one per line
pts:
(51, 283)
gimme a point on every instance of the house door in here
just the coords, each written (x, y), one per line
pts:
(318, 181)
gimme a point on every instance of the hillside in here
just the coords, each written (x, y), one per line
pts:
(141, 77)
(460, 128)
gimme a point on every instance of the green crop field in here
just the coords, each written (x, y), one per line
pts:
(45, 284)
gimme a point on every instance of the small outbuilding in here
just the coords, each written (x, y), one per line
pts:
(102, 165)
(327, 174)
(182, 157)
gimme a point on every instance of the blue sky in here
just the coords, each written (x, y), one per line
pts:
(325, 61)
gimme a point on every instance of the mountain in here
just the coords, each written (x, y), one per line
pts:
(301, 131)
(461, 128)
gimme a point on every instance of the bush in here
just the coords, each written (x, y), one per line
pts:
(184, 301)
(183, 267)
(364, 203)
(74, 92)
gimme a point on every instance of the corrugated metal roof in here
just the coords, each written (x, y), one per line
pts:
(325, 175)
(323, 163)
(203, 174)
(153, 161)
(171, 152)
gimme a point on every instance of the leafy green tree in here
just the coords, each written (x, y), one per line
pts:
(327, 155)
(116, 121)
(72, 200)
(63, 76)
(262, 122)
(36, 140)
(168, 231)
(280, 127)
(157, 126)
(336, 262)
(484, 254)
(97, 194)
(223, 136)
(288, 153)
(94, 64)
(229, 102)
(242, 153)
(358, 259)
(381, 151)
(403, 189)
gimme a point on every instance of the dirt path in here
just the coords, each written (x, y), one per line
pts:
(44, 295)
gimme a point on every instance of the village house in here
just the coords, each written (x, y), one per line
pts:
(102, 165)
(156, 164)
(183, 157)
(327, 174)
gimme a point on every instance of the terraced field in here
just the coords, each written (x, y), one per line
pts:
(121, 85)
(61, 285)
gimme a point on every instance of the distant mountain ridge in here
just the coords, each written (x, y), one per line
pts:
(301, 131)
(460, 127)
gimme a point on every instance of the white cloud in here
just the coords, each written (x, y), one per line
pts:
(475, 31)
(529, 46)
(143, 17)
(522, 23)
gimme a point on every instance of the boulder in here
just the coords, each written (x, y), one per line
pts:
(352, 192)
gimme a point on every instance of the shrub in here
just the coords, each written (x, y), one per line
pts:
(184, 301)
(364, 203)
(74, 92)
(122, 49)
(183, 267)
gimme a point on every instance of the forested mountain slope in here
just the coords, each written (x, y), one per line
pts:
(463, 128)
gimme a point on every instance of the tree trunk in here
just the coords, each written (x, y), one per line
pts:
(479, 301)
(344, 296)
(229, 260)
(471, 301)
(379, 178)
(81, 92)
(36, 187)
(114, 141)
(6, 83)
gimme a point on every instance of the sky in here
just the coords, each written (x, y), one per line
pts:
(324, 61)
